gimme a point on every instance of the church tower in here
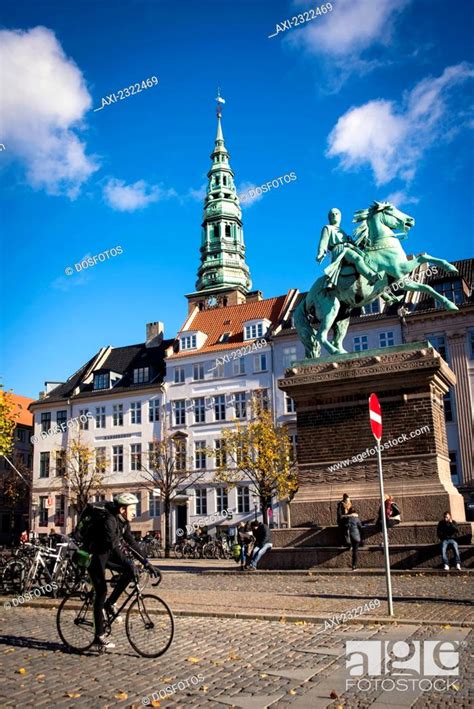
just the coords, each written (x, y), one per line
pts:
(223, 276)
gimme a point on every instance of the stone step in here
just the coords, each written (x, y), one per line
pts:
(402, 556)
(403, 533)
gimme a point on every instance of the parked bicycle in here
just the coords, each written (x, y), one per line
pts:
(149, 622)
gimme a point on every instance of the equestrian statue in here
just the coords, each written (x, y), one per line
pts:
(362, 269)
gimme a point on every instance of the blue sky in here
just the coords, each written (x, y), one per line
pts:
(369, 101)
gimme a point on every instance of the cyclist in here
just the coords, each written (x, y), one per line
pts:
(106, 551)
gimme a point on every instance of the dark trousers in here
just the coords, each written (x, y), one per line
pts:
(355, 550)
(343, 532)
(96, 570)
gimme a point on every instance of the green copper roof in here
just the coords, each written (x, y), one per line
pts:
(223, 263)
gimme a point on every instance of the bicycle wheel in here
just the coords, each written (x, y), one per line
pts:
(13, 576)
(149, 625)
(75, 621)
(208, 550)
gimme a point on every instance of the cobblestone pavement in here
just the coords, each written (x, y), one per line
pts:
(239, 663)
(416, 597)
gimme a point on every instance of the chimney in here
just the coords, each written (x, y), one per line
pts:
(154, 333)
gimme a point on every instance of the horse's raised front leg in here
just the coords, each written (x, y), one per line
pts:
(424, 288)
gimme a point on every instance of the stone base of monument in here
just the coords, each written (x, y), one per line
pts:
(336, 453)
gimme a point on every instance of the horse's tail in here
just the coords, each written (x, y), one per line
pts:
(305, 332)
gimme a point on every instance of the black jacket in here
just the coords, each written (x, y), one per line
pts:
(341, 511)
(113, 532)
(244, 536)
(354, 529)
(447, 530)
(262, 535)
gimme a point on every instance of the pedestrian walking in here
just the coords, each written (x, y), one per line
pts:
(343, 509)
(447, 532)
(354, 534)
(244, 538)
(263, 543)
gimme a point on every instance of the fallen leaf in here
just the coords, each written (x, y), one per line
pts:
(263, 675)
(193, 660)
(455, 687)
(73, 695)
(8, 650)
(121, 695)
(166, 679)
(233, 657)
(40, 678)
(21, 671)
(301, 622)
(292, 692)
(282, 619)
(204, 688)
(446, 626)
(155, 703)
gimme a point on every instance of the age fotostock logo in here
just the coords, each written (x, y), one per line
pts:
(409, 664)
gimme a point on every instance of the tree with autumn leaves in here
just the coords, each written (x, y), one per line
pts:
(81, 471)
(15, 481)
(260, 451)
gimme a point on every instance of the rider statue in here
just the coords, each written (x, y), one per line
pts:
(342, 249)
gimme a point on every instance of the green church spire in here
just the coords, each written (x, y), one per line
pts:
(223, 264)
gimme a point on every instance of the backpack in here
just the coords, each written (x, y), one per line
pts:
(91, 523)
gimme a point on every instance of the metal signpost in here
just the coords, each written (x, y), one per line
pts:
(375, 413)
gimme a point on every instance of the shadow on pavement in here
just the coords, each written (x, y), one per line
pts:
(406, 599)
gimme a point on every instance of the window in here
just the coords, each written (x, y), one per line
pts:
(180, 455)
(100, 460)
(100, 416)
(450, 289)
(372, 308)
(260, 398)
(153, 505)
(188, 342)
(222, 498)
(136, 456)
(243, 499)
(238, 366)
(101, 381)
(61, 417)
(198, 372)
(199, 410)
(139, 504)
(83, 424)
(180, 412)
(360, 343)
(43, 512)
(179, 375)
(219, 407)
(154, 410)
(117, 415)
(199, 455)
(216, 231)
(44, 465)
(289, 356)
(260, 363)
(241, 405)
(141, 375)
(218, 370)
(61, 458)
(201, 501)
(439, 343)
(99, 497)
(386, 339)
(253, 331)
(290, 407)
(20, 434)
(59, 510)
(136, 412)
(153, 454)
(453, 466)
(117, 459)
(221, 457)
(45, 421)
(227, 226)
(448, 407)
(225, 336)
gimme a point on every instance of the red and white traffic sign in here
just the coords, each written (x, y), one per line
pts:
(375, 413)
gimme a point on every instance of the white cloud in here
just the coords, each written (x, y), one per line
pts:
(247, 195)
(350, 28)
(199, 194)
(400, 198)
(128, 198)
(392, 139)
(43, 104)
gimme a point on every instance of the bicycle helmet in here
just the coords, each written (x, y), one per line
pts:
(125, 498)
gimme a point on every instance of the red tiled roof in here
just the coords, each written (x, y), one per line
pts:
(21, 403)
(216, 321)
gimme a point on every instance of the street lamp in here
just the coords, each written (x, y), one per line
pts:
(255, 504)
(34, 507)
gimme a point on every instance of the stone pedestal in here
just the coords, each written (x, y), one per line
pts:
(336, 451)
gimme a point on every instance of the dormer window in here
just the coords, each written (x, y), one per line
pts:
(102, 380)
(141, 375)
(225, 337)
(188, 342)
(253, 331)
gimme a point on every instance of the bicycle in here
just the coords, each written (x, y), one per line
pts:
(149, 622)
